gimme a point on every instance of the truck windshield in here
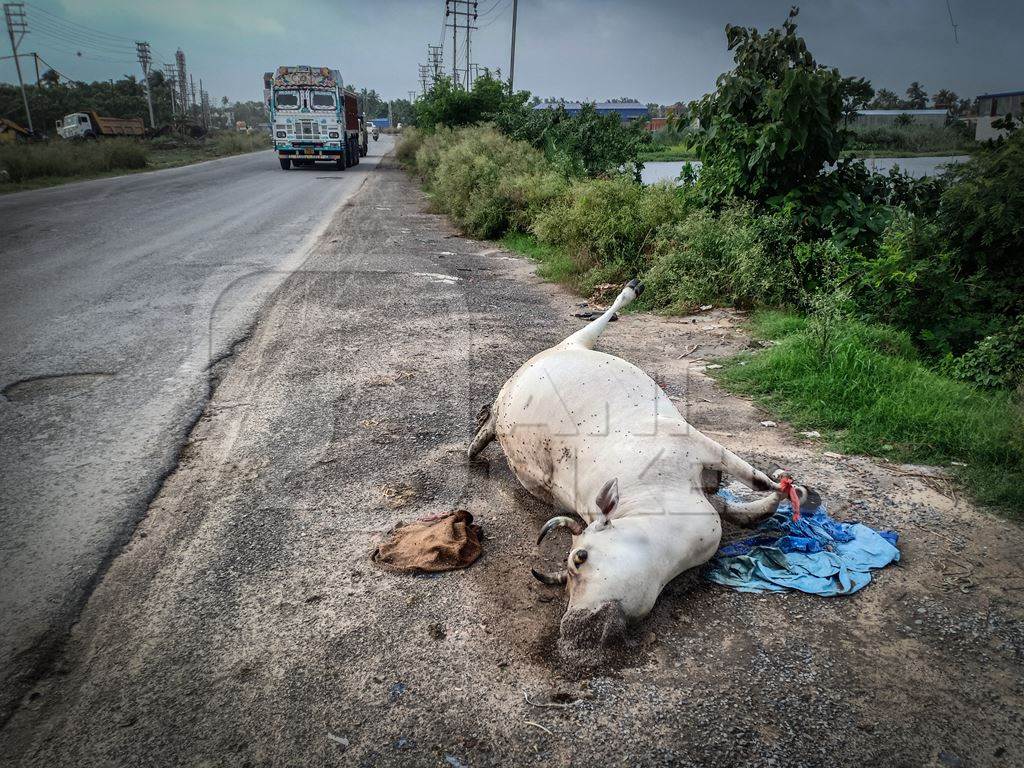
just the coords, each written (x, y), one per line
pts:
(323, 100)
(70, 120)
(286, 99)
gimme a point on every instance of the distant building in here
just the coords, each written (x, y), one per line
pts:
(875, 118)
(656, 124)
(992, 107)
(626, 110)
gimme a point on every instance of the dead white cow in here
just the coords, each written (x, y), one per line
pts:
(595, 435)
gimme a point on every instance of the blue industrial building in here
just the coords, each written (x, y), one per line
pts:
(626, 110)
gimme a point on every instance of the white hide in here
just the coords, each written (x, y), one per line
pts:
(570, 420)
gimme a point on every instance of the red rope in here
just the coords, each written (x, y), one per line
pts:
(786, 486)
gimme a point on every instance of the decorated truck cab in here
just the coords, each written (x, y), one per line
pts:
(314, 118)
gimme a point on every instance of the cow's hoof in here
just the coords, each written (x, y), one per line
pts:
(636, 285)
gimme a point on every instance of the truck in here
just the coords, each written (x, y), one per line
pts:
(89, 125)
(314, 118)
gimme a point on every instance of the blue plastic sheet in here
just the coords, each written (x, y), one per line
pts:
(815, 554)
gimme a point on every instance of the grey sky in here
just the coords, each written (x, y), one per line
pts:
(593, 49)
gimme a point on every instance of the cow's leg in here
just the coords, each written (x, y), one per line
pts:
(718, 457)
(485, 432)
(588, 335)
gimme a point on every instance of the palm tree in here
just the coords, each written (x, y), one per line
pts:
(917, 97)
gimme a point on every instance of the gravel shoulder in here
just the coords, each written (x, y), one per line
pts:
(244, 625)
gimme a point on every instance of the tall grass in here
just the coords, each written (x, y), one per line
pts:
(24, 162)
(863, 387)
(912, 139)
(69, 159)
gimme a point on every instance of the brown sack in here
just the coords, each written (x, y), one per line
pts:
(430, 545)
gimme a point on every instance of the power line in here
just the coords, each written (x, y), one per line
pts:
(90, 30)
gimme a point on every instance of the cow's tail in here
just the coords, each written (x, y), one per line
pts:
(587, 336)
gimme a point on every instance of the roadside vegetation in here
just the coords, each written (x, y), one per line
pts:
(895, 304)
(32, 165)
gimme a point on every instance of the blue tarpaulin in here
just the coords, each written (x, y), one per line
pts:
(815, 554)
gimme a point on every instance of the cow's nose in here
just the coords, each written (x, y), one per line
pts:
(593, 628)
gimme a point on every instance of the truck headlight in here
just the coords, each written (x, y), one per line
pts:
(334, 134)
(280, 134)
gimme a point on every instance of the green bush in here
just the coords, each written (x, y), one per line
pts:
(996, 361)
(585, 144)
(408, 145)
(483, 179)
(608, 226)
(446, 105)
(736, 256)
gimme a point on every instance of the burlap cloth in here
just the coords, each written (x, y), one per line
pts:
(437, 543)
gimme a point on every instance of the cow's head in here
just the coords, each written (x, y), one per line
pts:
(611, 573)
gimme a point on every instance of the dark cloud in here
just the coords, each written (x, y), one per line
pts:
(653, 50)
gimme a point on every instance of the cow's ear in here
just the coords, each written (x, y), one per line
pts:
(608, 497)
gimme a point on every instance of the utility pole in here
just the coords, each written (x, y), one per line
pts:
(435, 54)
(204, 111)
(469, 77)
(182, 81)
(512, 62)
(424, 76)
(467, 10)
(391, 122)
(171, 76)
(14, 15)
(455, 41)
(192, 97)
(142, 50)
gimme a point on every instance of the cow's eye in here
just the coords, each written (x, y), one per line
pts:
(579, 557)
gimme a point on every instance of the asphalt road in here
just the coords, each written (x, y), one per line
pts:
(117, 295)
(245, 624)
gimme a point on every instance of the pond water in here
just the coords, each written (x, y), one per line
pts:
(915, 166)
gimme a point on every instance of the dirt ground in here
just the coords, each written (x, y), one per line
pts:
(244, 624)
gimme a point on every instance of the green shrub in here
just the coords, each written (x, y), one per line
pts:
(608, 226)
(737, 257)
(478, 176)
(870, 395)
(584, 144)
(408, 145)
(996, 361)
(447, 105)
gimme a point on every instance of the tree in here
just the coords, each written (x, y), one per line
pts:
(857, 92)
(945, 99)
(917, 97)
(444, 104)
(885, 99)
(774, 120)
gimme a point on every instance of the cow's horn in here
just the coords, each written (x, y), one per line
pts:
(560, 522)
(554, 579)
